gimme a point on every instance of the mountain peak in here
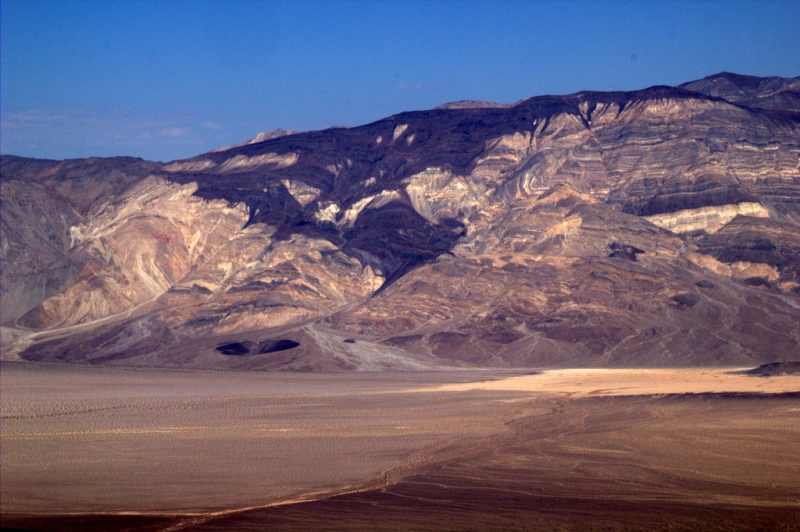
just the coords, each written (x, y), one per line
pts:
(739, 88)
(261, 137)
(475, 104)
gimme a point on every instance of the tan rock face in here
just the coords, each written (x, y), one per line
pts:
(236, 164)
(439, 195)
(136, 249)
(261, 137)
(304, 194)
(41, 202)
(256, 283)
(657, 227)
(34, 233)
(706, 219)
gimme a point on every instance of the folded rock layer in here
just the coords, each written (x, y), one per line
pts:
(658, 227)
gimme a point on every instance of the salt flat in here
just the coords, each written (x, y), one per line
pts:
(223, 450)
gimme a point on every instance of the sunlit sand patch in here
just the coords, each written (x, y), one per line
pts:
(616, 382)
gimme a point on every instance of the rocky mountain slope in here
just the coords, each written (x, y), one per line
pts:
(658, 227)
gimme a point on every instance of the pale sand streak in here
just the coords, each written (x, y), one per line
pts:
(594, 382)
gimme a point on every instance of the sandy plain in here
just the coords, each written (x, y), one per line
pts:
(116, 449)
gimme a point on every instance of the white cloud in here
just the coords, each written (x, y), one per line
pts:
(174, 132)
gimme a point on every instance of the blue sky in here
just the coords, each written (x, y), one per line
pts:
(171, 79)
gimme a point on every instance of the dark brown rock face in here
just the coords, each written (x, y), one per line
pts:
(762, 93)
(657, 227)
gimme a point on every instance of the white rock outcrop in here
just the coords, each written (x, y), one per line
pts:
(708, 219)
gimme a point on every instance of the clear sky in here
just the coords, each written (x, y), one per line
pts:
(171, 79)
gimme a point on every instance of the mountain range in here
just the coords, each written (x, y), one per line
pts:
(658, 227)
